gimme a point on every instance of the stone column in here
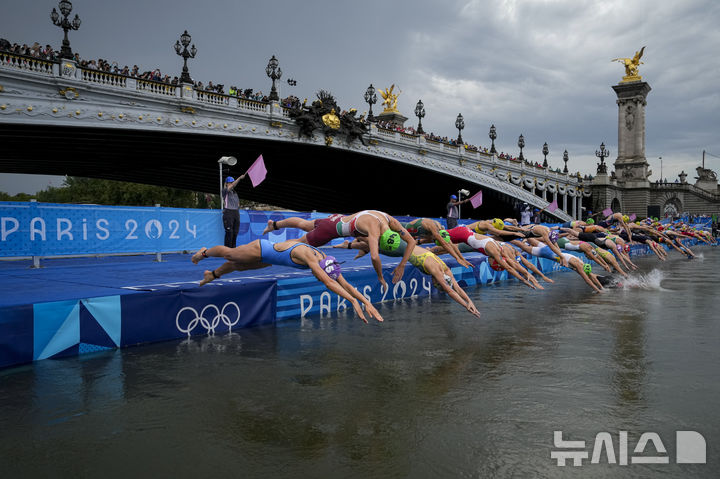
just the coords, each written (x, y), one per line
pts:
(631, 167)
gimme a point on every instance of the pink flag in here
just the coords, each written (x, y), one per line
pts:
(257, 171)
(552, 206)
(476, 200)
(632, 217)
(607, 212)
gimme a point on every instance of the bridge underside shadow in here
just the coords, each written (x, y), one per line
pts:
(300, 177)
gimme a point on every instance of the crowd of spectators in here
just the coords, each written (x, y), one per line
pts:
(248, 94)
(48, 53)
(35, 50)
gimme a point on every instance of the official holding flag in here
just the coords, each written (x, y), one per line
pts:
(231, 202)
(230, 212)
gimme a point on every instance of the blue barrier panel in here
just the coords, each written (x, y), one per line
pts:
(16, 335)
(67, 328)
(213, 309)
(49, 229)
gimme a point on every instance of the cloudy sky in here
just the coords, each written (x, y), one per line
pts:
(537, 67)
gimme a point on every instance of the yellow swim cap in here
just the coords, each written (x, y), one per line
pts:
(498, 223)
(626, 218)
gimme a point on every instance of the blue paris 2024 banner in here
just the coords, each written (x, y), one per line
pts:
(48, 229)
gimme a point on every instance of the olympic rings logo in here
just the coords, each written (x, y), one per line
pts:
(201, 320)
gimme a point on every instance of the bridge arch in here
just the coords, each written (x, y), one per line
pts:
(73, 121)
(672, 207)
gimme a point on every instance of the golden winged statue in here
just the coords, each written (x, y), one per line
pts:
(390, 100)
(631, 66)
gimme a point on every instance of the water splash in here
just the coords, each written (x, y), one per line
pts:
(649, 281)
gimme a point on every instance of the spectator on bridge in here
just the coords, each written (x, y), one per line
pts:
(453, 212)
(231, 213)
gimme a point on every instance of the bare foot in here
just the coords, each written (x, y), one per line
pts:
(360, 254)
(199, 255)
(207, 277)
(270, 227)
(343, 245)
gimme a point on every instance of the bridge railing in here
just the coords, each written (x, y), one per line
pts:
(212, 97)
(685, 187)
(103, 78)
(254, 105)
(156, 88)
(27, 63)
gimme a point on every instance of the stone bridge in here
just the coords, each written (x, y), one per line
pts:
(59, 118)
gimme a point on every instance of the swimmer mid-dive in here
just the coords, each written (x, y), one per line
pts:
(425, 261)
(427, 230)
(573, 262)
(373, 224)
(262, 253)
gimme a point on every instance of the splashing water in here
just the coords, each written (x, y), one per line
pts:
(649, 281)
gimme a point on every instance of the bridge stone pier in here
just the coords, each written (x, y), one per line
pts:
(628, 188)
(59, 118)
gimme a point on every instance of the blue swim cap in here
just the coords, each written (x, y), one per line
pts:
(453, 197)
(229, 179)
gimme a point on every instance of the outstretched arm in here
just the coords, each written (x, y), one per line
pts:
(411, 243)
(454, 292)
(353, 291)
(450, 248)
(335, 287)
(237, 180)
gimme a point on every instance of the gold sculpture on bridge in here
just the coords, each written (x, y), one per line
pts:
(390, 100)
(631, 66)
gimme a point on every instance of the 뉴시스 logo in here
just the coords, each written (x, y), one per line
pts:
(690, 448)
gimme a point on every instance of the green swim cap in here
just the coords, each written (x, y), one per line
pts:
(587, 267)
(389, 241)
(590, 221)
(445, 236)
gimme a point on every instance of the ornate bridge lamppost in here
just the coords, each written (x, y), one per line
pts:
(65, 24)
(370, 99)
(182, 50)
(521, 144)
(460, 125)
(273, 71)
(565, 159)
(545, 152)
(493, 136)
(420, 113)
(602, 153)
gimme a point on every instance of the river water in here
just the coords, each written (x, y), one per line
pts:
(432, 392)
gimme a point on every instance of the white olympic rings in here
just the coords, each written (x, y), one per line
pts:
(209, 325)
